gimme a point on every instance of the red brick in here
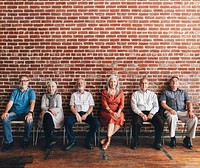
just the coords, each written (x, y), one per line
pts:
(64, 40)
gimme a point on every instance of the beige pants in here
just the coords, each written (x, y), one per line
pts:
(183, 116)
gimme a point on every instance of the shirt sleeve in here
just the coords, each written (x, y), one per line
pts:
(91, 100)
(32, 95)
(72, 100)
(104, 99)
(163, 96)
(121, 105)
(155, 108)
(187, 98)
(43, 103)
(134, 107)
(13, 95)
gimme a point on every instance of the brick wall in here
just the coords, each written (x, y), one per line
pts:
(63, 40)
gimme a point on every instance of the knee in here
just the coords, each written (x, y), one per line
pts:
(68, 122)
(6, 120)
(195, 119)
(172, 118)
(30, 123)
(96, 124)
(46, 117)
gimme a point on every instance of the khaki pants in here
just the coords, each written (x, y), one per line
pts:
(183, 116)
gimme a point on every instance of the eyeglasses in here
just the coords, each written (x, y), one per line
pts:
(23, 80)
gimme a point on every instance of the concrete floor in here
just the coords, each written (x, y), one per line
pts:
(117, 155)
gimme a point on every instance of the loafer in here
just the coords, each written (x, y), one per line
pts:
(69, 146)
(52, 143)
(157, 146)
(133, 146)
(187, 142)
(25, 144)
(89, 146)
(173, 142)
(7, 147)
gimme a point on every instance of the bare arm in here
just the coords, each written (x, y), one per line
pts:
(87, 113)
(190, 109)
(29, 116)
(8, 107)
(166, 107)
(73, 110)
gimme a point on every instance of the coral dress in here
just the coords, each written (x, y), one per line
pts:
(114, 103)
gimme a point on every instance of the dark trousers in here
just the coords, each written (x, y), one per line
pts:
(71, 120)
(156, 121)
(48, 125)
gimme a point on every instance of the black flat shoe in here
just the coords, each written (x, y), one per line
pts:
(187, 143)
(133, 146)
(7, 147)
(173, 142)
(69, 146)
(158, 146)
(89, 146)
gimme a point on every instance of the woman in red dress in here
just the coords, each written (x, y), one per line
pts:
(112, 105)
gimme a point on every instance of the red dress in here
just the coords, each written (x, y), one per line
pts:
(114, 103)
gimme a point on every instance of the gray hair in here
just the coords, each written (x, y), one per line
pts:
(108, 84)
(53, 83)
(143, 78)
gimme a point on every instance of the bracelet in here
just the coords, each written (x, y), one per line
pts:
(30, 112)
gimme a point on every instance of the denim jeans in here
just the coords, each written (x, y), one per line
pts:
(8, 130)
(71, 120)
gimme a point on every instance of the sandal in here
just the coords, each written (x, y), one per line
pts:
(106, 145)
(102, 142)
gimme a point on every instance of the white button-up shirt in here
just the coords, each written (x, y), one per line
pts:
(144, 101)
(82, 101)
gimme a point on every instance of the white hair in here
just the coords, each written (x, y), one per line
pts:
(108, 84)
(53, 83)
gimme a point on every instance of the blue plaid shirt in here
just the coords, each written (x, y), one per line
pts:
(175, 99)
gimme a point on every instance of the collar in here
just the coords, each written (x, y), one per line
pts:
(24, 90)
(172, 90)
(143, 91)
(80, 92)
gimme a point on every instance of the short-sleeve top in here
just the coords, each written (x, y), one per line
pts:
(175, 99)
(81, 101)
(21, 100)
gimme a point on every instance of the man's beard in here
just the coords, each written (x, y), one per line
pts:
(80, 88)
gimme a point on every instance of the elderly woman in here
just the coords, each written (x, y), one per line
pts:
(51, 116)
(112, 105)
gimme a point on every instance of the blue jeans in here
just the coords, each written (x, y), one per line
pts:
(8, 130)
(71, 120)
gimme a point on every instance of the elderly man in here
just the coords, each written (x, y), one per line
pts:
(145, 106)
(177, 105)
(19, 107)
(81, 106)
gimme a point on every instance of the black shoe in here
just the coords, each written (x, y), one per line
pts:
(173, 142)
(157, 146)
(52, 143)
(25, 144)
(89, 146)
(69, 146)
(187, 142)
(7, 147)
(134, 145)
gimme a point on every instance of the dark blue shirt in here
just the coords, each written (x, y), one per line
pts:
(175, 99)
(21, 100)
